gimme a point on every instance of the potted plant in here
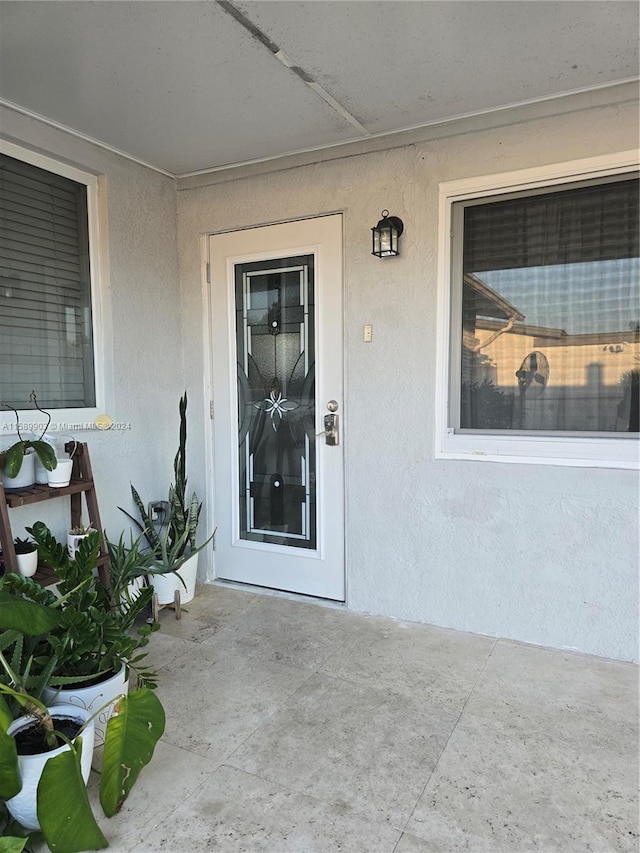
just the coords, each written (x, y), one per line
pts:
(46, 789)
(90, 655)
(20, 456)
(128, 570)
(39, 735)
(61, 474)
(173, 573)
(27, 556)
(75, 537)
(173, 543)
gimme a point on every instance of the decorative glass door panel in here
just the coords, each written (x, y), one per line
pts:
(276, 335)
(275, 348)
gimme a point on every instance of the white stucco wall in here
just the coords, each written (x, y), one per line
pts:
(141, 305)
(541, 554)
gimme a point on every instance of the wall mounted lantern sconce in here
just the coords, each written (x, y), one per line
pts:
(385, 236)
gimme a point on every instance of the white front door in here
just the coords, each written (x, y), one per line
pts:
(276, 332)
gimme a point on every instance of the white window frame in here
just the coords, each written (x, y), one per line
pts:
(570, 449)
(76, 419)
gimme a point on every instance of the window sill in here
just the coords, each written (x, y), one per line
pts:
(542, 450)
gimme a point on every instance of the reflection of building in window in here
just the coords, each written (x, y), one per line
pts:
(550, 278)
(479, 300)
(593, 379)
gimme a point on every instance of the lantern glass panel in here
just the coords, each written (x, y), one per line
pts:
(386, 240)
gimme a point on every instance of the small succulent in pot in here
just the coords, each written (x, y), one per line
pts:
(24, 546)
(26, 556)
(81, 531)
(75, 537)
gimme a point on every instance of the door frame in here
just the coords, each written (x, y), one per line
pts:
(208, 384)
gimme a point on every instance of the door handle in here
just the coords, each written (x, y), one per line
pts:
(331, 430)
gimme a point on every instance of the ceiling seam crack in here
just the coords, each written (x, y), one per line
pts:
(289, 63)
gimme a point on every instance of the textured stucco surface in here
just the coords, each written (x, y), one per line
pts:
(542, 554)
(141, 306)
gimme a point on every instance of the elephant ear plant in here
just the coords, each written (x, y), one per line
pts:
(64, 813)
(15, 454)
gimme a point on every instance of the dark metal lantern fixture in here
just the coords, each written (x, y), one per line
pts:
(385, 236)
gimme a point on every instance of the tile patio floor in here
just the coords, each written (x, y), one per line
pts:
(293, 726)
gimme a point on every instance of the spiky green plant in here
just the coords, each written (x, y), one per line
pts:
(176, 542)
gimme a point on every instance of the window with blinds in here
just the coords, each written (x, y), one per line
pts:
(548, 330)
(46, 338)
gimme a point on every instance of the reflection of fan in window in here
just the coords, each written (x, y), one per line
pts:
(533, 374)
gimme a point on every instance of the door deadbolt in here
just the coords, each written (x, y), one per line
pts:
(332, 406)
(331, 435)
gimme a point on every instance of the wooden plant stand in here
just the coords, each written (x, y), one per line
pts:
(81, 484)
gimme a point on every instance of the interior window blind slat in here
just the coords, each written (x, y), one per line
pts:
(566, 226)
(38, 293)
(28, 183)
(44, 325)
(17, 226)
(550, 326)
(45, 288)
(40, 207)
(43, 275)
(36, 256)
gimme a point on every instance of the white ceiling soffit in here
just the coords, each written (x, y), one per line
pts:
(190, 86)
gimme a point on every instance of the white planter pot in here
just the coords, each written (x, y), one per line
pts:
(165, 585)
(26, 475)
(91, 699)
(41, 471)
(73, 542)
(134, 588)
(23, 807)
(61, 474)
(27, 563)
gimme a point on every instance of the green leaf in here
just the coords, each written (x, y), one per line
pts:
(12, 845)
(28, 617)
(10, 781)
(13, 459)
(6, 717)
(64, 813)
(46, 454)
(29, 588)
(15, 454)
(133, 730)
